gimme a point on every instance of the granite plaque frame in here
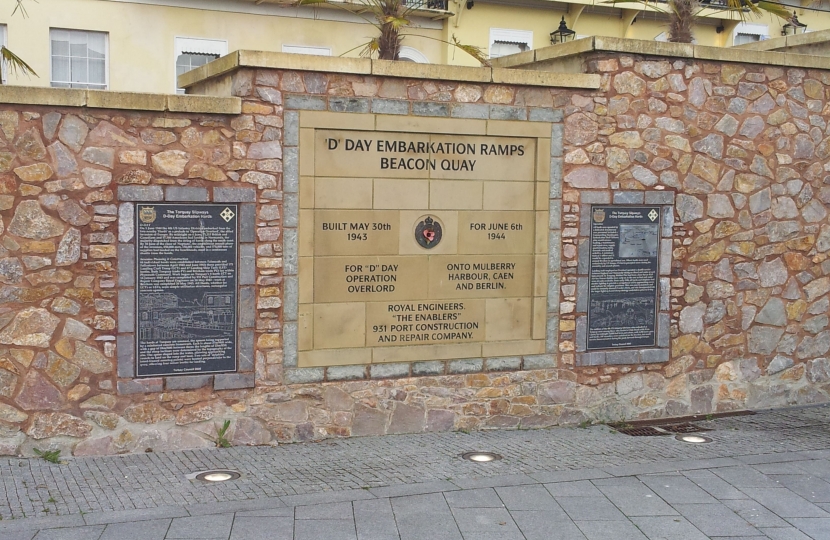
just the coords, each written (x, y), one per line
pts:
(623, 277)
(186, 293)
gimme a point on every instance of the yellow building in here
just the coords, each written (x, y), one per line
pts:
(141, 45)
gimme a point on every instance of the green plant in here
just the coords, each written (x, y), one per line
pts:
(221, 435)
(684, 13)
(584, 424)
(52, 500)
(8, 58)
(52, 456)
(390, 18)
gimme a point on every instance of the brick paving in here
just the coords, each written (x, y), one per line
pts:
(764, 476)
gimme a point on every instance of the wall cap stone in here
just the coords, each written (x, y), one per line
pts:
(797, 40)
(105, 99)
(382, 68)
(530, 60)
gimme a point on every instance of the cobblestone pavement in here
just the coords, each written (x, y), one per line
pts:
(764, 476)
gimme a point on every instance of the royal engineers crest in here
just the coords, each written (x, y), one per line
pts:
(428, 233)
(147, 214)
(599, 215)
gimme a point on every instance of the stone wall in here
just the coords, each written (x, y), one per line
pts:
(742, 152)
(735, 154)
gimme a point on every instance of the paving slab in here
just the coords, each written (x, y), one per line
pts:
(581, 488)
(668, 527)
(374, 520)
(812, 488)
(755, 513)
(19, 535)
(201, 527)
(72, 533)
(590, 509)
(328, 529)
(424, 517)
(714, 485)
(139, 530)
(529, 498)
(677, 489)
(538, 525)
(815, 527)
(121, 516)
(262, 528)
(716, 520)
(603, 530)
(342, 510)
(474, 498)
(785, 503)
(784, 533)
(634, 498)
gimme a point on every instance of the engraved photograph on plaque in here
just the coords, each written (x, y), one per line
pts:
(186, 288)
(623, 277)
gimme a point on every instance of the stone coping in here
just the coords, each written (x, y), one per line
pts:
(104, 99)
(528, 59)
(775, 44)
(384, 68)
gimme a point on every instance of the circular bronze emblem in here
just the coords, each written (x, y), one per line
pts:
(428, 233)
(147, 214)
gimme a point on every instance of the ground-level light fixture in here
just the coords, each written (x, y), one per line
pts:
(562, 34)
(218, 476)
(693, 438)
(480, 457)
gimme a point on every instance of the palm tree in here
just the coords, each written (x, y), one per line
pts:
(390, 18)
(683, 13)
(11, 60)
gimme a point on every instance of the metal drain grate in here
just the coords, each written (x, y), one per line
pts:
(686, 427)
(654, 431)
(642, 431)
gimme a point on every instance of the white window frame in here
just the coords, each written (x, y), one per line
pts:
(196, 45)
(413, 54)
(106, 53)
(307, 49)
(760, 30)
(510, 36)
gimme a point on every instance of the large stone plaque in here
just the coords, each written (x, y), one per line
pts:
(186, 288)
(415, 246)
(623, 279)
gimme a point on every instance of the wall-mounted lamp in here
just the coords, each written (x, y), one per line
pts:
(470, 4)
(793, 27)
(719, 29)
(562, 34)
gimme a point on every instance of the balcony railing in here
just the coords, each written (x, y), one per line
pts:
(428, 4)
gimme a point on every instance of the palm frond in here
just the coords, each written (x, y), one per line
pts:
(472, 50)
(396, 22)
(15, 63)
(21, 8)
(645, 3)
(776, 9)
(370, 48)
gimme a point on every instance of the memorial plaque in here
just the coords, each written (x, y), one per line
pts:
(186, 288)
(416, 246)
(623, 277)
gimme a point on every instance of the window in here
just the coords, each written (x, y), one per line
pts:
(195, 52)
(79, 59)
(749, 33)
(302, 49)
(408, 54)
(504, 42)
